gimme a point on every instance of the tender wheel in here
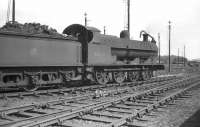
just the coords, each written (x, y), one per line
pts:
(119, 77)
(102, 77)
(31, 84)
(133, 76)
(145, 75)
(150, 74)
(30, 87)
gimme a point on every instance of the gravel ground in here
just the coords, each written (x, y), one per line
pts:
(12, 102)
(169, 116)
(177, 113)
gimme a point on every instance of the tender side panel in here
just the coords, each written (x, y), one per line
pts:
(28, 51)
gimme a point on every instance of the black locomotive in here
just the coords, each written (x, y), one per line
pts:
(31, 60)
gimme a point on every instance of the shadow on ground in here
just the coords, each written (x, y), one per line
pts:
(193, 121)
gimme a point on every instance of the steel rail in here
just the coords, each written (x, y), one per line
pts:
(150, 107)
(55, 118)
(63, 91)
(4, 112)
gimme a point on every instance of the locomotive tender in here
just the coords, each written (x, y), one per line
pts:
(30, 61)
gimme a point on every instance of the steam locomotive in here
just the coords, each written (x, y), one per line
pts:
(81, 53)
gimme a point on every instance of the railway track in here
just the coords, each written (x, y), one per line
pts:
(77, 97)
(73, 90)
(17, 100)
(68, 109)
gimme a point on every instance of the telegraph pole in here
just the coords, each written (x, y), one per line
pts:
(169, 45)
(85, 18)
(104, 30)
(159, 47)
(184, 56)
(128, 10)
(13, 12)
(178, 56)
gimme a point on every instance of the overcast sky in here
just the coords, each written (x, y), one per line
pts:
(149, 15)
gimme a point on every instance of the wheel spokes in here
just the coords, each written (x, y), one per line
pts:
(145, 75)
(30, 87)
(119, 76)
(102, 77)
(133, 76)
